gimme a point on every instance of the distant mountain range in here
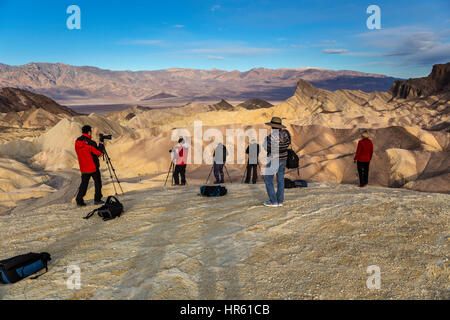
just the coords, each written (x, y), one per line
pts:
(64, 82)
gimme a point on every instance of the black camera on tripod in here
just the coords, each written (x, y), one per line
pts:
(104, 137)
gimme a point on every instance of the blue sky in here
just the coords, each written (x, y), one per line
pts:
(229, 35)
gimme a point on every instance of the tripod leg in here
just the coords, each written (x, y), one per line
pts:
(173, 171)
(209, 174)
(110, 174)
(245, 171)
(228, 174)
(168, 173)
(111, 168)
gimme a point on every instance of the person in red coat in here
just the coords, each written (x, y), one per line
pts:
(363, 156)
(88, 154)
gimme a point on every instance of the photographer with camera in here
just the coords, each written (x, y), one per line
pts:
(179, 158)
(88, 154)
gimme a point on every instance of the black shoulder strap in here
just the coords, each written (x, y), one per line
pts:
(90, 214)
(112, 197)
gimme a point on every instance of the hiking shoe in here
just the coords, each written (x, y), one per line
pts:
(222, 181)
(216, 182)
(81, 204)
(99, 202)
(270, 204)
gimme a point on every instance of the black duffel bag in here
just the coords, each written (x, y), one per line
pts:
(17, 268)
(110, 210)
(213, 191)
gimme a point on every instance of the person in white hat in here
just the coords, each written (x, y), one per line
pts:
(276, 144)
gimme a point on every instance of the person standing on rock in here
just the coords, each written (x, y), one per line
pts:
(252, 164)
(88, 153)
(363, 156)
(276, 144)
(179, 157)
(220, 157)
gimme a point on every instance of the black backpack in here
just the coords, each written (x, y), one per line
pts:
(110, 210)
(17, 268)
(288, 183)
(213, 191)
(292, 160)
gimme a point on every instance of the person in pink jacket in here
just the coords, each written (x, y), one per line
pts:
(179, 158)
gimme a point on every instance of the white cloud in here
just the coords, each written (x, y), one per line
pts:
(321, 44)
(215, 58)
(411, 45)
(335, 51)
(215, 7)
(178, 26)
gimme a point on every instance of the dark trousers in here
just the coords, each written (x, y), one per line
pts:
(218, 172)
(250, 168)
(363, 171)
(85, 177)
(180, 170)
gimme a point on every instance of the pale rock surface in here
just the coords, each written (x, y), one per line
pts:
(173, 244)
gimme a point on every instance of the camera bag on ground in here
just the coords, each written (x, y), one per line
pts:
(288, 183)
(110, 210)
(17, 268)
(213, 191)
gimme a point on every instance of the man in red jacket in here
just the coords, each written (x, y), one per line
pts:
(88, 153)
(363, 157)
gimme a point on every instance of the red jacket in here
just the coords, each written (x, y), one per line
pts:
(86, 150)
(364, 151)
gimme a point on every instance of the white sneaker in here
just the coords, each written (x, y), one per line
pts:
(280, 204)
(270, 204)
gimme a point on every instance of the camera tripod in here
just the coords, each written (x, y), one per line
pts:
(171, 170)
(212, 168)
(111, 170)
(245, 171)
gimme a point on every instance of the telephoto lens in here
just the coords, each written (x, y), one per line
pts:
(104, 137)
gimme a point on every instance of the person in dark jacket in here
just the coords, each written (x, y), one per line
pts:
(252, 164)
(220, 157)
(88, 154)
(276, 144)
(363, 156)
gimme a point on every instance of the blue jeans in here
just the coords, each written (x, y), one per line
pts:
(277, 197)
